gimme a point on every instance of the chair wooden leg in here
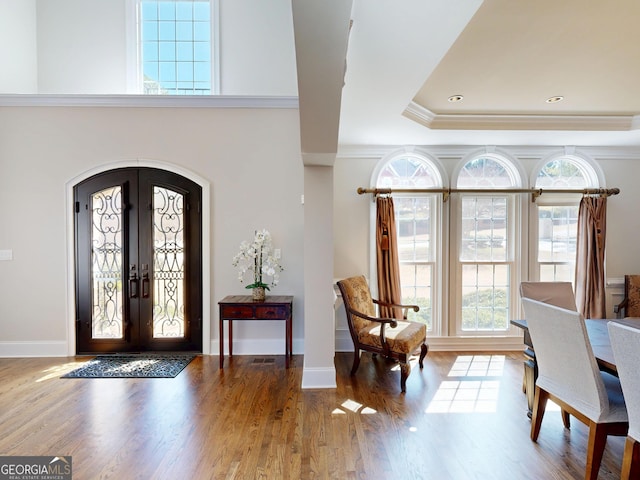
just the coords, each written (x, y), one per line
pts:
(595, 449)
(539, 405)
(631, 460)
(356, 361)
(424, 349)
(405, 370)
(566, 419)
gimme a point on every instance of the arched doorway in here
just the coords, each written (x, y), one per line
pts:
(138, 262)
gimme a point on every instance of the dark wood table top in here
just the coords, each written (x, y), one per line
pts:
(599, 338)
(249, 299)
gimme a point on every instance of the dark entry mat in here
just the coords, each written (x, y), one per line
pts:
(132, 366)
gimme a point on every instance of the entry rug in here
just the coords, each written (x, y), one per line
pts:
(132, 366)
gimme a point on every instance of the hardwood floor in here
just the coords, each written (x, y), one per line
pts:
(252, 420)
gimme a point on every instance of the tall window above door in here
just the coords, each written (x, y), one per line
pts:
(174, 46)
(557, 216)
(418, 225)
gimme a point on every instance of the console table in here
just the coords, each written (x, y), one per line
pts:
(243, 307)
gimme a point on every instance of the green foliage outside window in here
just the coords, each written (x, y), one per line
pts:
(485, 310)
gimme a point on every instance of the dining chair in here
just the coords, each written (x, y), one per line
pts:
(559, 294)
(625, 342)
(389, 337)
(568, 375)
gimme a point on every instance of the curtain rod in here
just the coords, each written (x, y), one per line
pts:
(535, 192)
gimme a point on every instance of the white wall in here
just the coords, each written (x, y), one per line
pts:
(251, 157)
(257, 54)
(82, 47)
(18, 54)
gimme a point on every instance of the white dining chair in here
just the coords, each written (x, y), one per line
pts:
(568, 375)
(559, 294)
(625, 342)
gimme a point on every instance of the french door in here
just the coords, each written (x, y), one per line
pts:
(138, 262)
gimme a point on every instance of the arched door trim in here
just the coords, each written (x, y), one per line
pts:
(206, 242)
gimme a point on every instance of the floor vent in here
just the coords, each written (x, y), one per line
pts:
(264, 360)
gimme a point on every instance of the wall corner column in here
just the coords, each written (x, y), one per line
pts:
(319, 330)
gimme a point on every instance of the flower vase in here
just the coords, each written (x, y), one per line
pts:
(258, 294)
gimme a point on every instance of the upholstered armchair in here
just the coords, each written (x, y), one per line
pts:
(389, 337)
(630, 305)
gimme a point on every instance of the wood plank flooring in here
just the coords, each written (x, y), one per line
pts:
(458, 420)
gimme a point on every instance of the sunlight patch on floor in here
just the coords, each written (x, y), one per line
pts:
(473, 387)
(353, 406)
(414, 361)
(58, 370)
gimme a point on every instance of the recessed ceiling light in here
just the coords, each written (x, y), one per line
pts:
(555, 99)
(455, 98)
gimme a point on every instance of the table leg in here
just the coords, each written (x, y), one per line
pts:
(287, 342)
(530, 383)
(221, 343)
(230, 338)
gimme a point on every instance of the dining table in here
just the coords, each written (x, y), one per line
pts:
(598, 333)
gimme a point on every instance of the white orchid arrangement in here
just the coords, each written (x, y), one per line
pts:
(258, 257)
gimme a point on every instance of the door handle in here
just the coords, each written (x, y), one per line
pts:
(145, 285)
(133, 282)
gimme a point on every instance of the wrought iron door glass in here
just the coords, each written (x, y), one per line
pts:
(106, 263)
(168, 263)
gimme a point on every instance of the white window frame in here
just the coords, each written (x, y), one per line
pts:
(439, 223)
(513, 261)
(594, 177)
(516, 212)
(133, 45)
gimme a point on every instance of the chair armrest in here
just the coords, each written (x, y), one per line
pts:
(382, 321)
(405, 308)
(620, 307)
(391, 321)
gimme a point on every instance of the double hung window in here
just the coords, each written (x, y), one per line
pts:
(484, 260)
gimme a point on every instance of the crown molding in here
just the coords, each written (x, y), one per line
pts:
(533, 152)
(432, 120)
(161, 101)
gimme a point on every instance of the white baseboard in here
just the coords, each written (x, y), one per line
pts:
(33, 349)
(475, 344)
(319, 377)
(448, 344)
(343, 341)
(272, 346)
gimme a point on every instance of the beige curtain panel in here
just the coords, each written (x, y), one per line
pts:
(388, 266)
(590, 276)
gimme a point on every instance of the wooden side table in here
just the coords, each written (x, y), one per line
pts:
(243, 307)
